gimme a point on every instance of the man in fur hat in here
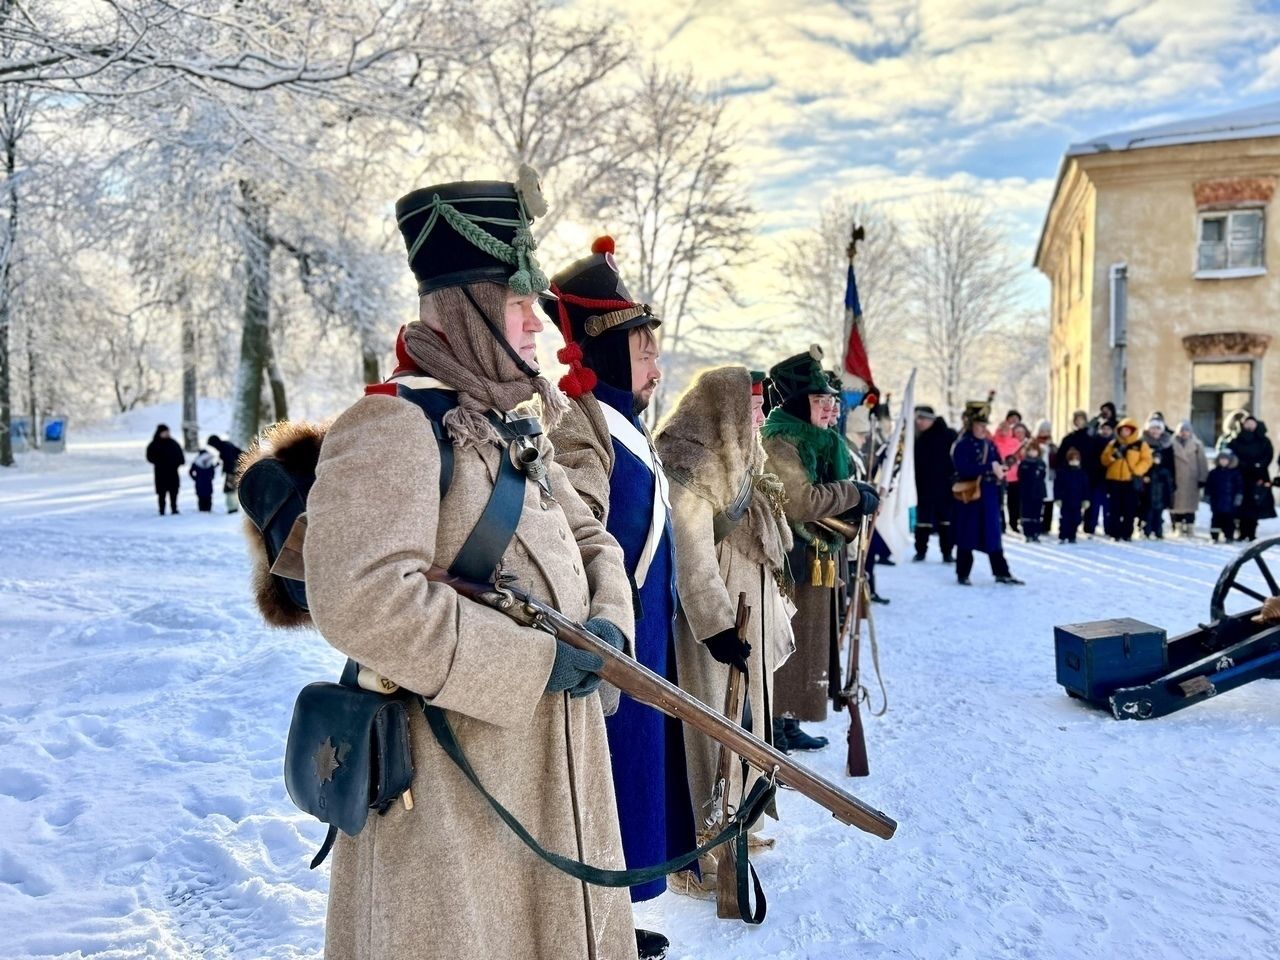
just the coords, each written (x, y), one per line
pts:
(447, 878)
(732, 537)
(612, 354)
(815, 468)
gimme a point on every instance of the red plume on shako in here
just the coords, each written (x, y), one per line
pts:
(593, 306)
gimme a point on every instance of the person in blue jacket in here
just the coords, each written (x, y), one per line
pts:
(604, 447)
(1224, 490)
(203, 468)
(977, 523)
(1072, 487)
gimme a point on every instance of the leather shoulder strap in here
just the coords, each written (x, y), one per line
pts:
(435, 404)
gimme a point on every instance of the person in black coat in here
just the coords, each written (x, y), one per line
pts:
(933, 482)
(1088, 441)
(165, 454)
(1158, 484)
(1254, 450)
(1032, 474)
(1072, 488)
(230, 455)
(1224, 490)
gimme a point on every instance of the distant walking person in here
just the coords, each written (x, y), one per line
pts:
(230, 454)
(165, 454)
(978, 472)
(203, 468)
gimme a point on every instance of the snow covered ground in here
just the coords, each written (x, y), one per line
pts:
(143, 710)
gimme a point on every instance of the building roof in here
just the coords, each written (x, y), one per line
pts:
(1260, 121)
(1246, 124)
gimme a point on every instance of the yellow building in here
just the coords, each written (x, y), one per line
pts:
(1162, 247)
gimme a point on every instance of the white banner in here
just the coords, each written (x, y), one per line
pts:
(898, 475)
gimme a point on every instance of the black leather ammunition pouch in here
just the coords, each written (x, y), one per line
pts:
(347, 753)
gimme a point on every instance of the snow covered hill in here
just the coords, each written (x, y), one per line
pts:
(143, 709)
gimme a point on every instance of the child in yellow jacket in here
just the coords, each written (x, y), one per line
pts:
(1126, 459)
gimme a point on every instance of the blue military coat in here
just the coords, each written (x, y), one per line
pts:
(976, 525)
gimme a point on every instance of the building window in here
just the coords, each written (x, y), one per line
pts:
(1230, 243)
(1079, 405)
(1217, 390)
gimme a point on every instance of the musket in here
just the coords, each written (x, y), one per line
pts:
(643, 685)
(727, 907)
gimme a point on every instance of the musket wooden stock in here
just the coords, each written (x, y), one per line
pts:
(645, 686)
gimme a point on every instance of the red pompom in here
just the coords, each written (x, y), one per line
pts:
(569, 354)
(602, 245)
(578, 382)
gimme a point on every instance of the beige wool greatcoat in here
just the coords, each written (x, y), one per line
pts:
(801, 686)
(1190, 470)
(448, 879)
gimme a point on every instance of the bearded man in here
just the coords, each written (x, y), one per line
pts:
(606, 451)
(448, 878)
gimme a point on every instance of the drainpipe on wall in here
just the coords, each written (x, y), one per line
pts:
(1119, 276)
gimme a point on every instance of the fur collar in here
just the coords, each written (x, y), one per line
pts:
(708, 444)
(296, 444)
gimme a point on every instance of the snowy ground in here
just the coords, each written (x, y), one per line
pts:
(143, 710)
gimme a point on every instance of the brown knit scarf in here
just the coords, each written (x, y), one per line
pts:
(464, 354)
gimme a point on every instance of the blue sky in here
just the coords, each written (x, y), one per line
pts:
(888, 101)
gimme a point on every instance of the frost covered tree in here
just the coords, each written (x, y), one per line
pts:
(814, 268)
(961, 283)
(680, 211)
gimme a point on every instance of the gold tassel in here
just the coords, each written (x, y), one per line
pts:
(830, 581)
(815, 570)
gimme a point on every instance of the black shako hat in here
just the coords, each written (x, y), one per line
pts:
(801, 375)
(472, 231)
(595, 313)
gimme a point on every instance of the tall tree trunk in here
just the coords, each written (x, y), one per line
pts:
(246, 416)
(279, 400)
(369, 364)
(32, 406)
(6, 306)
(190, 413)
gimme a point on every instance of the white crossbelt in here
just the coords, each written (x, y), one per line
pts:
(625, 432)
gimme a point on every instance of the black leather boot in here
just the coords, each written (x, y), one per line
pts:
(650, 945)
(797, 739)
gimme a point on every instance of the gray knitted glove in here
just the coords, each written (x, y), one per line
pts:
(574, 670)
(606, 631)
(610, 696)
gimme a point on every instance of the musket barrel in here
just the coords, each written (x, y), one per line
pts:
(645, 686)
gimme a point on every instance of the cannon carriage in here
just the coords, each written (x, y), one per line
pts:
(1132, 669)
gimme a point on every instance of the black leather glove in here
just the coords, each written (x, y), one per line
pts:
(727, 648)
(869, 498)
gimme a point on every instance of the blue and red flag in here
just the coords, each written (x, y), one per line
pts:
(855, 353)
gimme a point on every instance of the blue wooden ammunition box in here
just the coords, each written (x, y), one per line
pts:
(1095, 659)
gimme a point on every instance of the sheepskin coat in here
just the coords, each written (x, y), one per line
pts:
(802, 684)
(1191, 470)
(448, 879)
(708, 445)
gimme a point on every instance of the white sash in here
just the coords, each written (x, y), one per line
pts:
(624, 431)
